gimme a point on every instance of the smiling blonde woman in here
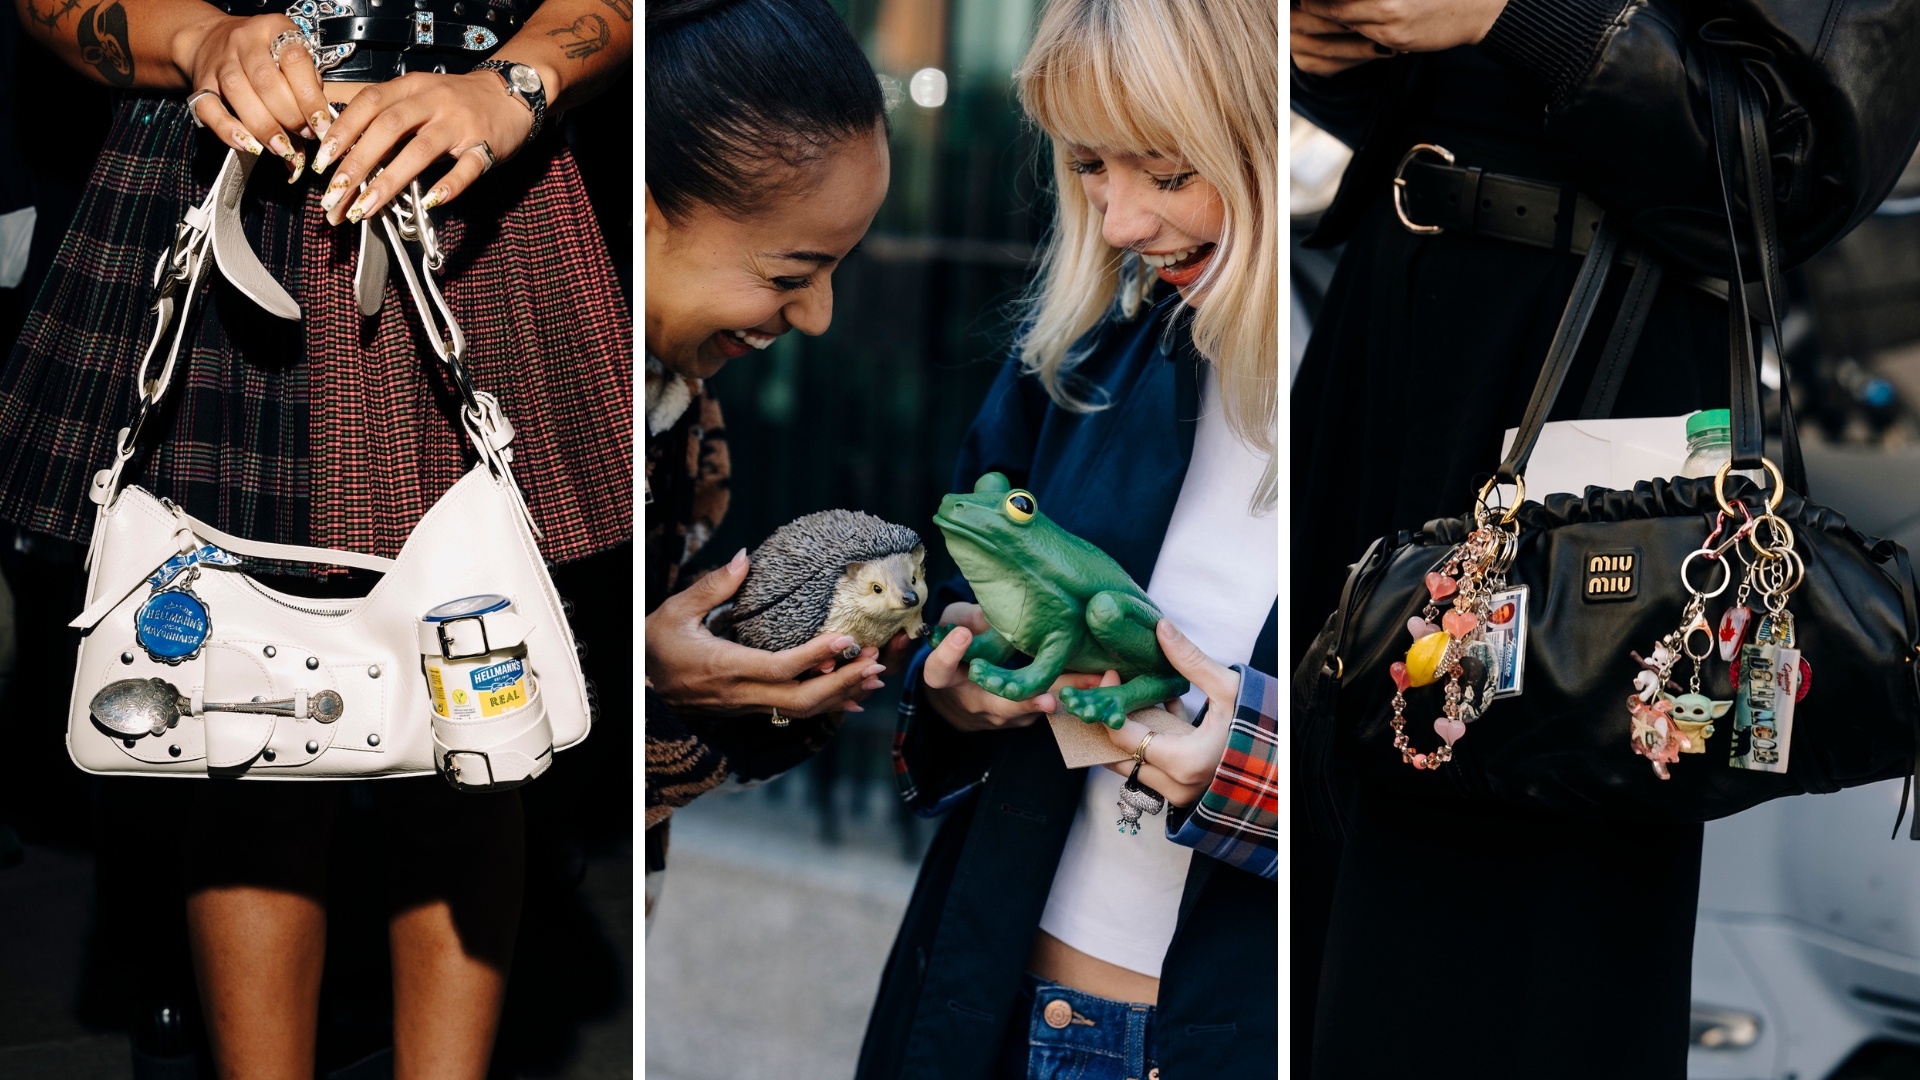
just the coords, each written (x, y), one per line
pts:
(1187, 94)
(1138, 410)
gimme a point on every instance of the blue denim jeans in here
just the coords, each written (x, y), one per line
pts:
(1059, 1033)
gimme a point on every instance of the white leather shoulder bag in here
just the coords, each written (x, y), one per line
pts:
(259, 684)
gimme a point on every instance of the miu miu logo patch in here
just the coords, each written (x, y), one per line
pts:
(1611, 575)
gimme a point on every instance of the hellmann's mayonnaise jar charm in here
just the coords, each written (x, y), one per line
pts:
(489, 727)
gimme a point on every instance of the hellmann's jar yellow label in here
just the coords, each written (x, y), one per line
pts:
(477, 689)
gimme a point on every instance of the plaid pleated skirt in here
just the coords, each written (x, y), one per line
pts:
(338, 431)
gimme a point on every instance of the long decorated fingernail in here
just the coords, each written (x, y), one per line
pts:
(320, 121)
(246, 139)
(324, 157)
(436, 197)
(297, 165)
(334, 190)
(361, 205)
(281, 146)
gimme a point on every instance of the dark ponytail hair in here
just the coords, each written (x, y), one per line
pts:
(740, 90)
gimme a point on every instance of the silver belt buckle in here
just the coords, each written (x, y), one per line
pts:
(446, 644)
(1400, 186)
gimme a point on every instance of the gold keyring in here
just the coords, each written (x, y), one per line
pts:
(1519, 496)
(1720, 486)
(1140, 752)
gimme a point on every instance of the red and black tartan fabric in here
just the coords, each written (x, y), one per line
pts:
(338, 431)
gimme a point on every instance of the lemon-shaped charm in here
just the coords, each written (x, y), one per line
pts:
(1423, 660)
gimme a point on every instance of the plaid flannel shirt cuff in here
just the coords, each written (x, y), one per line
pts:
(1237, 819)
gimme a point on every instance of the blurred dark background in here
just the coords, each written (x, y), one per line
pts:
(95, 979)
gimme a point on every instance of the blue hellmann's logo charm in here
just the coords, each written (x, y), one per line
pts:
(172, 625)
(496, 676)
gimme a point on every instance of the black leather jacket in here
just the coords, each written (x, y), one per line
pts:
(1627, 114)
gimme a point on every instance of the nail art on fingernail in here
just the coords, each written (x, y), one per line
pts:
(319, 121)
(361, 205)
(334, 190)
(245, 139)
(435, 197)
(324, 157)
(281, 146)
(298, 163)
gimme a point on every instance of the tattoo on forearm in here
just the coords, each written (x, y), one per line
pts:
(51, 12)
(103, 43)
(622, 8)
(588, 35)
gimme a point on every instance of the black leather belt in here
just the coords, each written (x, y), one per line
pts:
(1436, 196)
(393, 37)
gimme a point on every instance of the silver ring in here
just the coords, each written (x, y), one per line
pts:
(285, 39)
(486, 153)
(1726, 577)
(194, 99)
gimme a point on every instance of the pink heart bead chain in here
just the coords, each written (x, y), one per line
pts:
(1472, 571)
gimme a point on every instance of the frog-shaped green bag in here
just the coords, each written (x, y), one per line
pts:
(1058, 599)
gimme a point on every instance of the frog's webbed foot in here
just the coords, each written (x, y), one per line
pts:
(1007, 683)
(1097, 705)
(1110, 705)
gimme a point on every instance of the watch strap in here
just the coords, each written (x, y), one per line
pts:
(535, 102)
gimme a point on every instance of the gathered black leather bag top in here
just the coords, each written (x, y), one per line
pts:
(1552, 654)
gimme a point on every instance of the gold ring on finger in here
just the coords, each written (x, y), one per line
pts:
(778, 720)
(1140, 752)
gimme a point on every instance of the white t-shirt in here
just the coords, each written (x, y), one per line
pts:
(1115, 896)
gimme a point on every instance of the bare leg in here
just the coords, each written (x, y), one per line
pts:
(258, 954)
(452, 937)
(256, 873)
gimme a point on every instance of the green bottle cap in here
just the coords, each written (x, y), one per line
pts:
(1707, 420)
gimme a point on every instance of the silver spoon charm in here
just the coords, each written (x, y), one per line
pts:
(140, 706)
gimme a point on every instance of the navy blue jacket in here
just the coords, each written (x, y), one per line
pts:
(1112, 477)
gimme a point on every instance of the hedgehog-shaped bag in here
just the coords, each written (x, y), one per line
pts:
(838, 571)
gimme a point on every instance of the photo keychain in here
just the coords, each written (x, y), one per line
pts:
(1770, 676)
(1472, 576)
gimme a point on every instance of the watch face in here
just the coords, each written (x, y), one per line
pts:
(524, 79)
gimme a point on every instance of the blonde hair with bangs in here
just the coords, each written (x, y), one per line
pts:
(1196, 80)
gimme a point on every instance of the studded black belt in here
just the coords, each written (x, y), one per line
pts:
(388, 38)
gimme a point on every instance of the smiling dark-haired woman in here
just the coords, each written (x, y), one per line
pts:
(766, 162)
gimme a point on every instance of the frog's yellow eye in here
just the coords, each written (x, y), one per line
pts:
(1021, 506)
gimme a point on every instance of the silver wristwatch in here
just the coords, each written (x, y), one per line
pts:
(523, 82)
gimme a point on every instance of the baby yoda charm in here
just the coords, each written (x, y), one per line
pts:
(1694, 715)
(1060, 600)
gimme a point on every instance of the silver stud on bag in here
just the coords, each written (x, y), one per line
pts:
(373, 671)
(126, 658)
(373, 740)
(313, 663)
(269, 652)
(174, 750)
(267, 753)
(313, 746)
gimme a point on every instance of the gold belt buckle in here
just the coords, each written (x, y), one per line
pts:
(1400, 186)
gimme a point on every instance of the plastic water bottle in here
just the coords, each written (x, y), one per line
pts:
(1709, 442)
